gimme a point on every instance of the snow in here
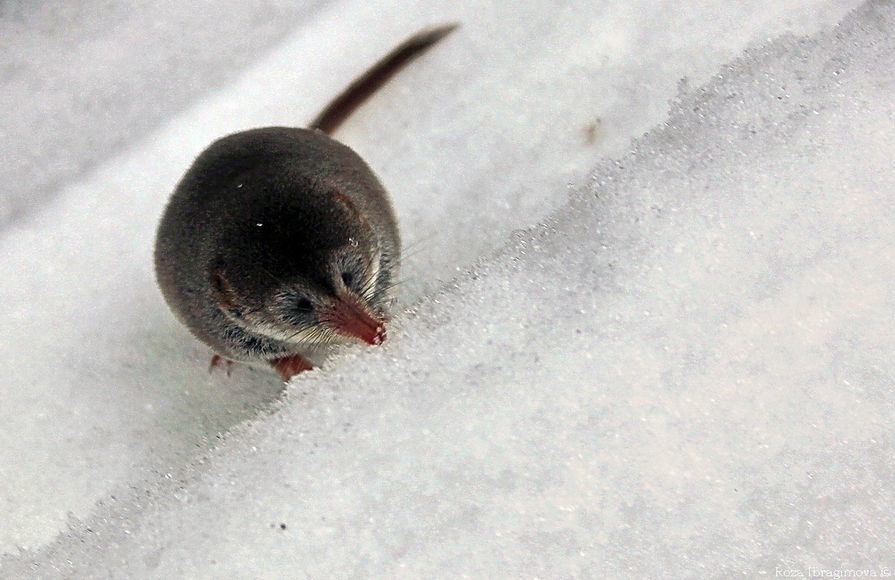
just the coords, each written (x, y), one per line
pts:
(682, 368)
(82, 79)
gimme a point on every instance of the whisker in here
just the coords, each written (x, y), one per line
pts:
(422, 240)
(397, 283)
(251, 311)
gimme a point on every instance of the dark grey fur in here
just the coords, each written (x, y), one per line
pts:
(264, 223)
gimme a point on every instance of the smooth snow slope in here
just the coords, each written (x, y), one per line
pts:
(686, 371)
(105, 394)
(83, 79)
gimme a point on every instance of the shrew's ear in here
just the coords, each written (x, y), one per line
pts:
(349, 206)
(224, 291)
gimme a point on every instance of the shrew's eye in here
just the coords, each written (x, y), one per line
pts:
(347, 278)
(304, 305)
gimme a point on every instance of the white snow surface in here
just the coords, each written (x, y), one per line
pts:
(82, 79)
(683, 369)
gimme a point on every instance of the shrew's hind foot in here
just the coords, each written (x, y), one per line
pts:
(217, 361)
(291, 365)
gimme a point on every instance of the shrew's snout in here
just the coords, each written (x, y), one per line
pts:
(349, 317)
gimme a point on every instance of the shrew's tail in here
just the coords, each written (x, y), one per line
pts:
(368, 83)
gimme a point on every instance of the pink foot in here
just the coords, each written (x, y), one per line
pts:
(217, 360)
(291, 365)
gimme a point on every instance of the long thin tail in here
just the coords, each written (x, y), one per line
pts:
(368, 83)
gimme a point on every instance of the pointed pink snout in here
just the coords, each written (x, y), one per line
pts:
(349, 317)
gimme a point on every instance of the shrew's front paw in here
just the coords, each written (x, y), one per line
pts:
(291, 365)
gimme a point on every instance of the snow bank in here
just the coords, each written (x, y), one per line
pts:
(104, 393)
(685, 371)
